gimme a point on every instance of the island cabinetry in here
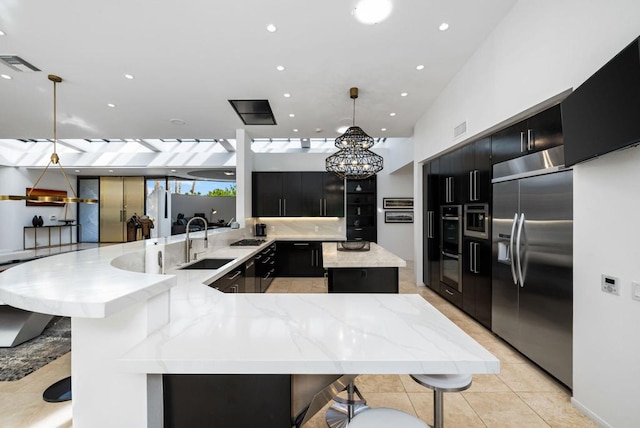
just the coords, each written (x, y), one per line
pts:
(232, 282)
(322, 195)
(539, 132)
(363, 280)
(476, 279)
(362, 210)
(300, 259)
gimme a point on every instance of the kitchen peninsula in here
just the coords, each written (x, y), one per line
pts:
(131, 328)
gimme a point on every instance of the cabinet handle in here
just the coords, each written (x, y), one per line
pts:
(312, 251)
(325, 207)
(280, 207)
(235, 275)
(451, 189)
(301, 244)
(530, 141)
(448, 292)
(317, 258)
(521, 142)
(476, 187)
(284, 207)
(249, 265)
(320, 200)
(471, 186)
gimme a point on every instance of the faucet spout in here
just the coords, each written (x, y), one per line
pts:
(188, 241)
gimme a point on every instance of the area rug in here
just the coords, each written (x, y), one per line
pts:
(21, 360)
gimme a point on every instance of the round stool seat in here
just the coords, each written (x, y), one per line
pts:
(383, 417)
(444, 382)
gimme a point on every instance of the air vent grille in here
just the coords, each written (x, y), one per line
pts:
(460, 129)
(17, 63)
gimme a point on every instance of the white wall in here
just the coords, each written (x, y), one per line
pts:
(396, 237)
(539, 50)
(15, 214)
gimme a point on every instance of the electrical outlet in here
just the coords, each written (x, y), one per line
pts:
(610, 284)
(317, 229)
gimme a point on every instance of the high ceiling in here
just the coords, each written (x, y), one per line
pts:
(189, 58)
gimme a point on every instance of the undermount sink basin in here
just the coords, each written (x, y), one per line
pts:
(208, 264)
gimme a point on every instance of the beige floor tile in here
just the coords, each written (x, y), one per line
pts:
(504, 352)
(488, 383)
(556, 409)
(393, 400)
(503, 410)
(379, 383)
(457, 411)
(411, 385)
(526, 377)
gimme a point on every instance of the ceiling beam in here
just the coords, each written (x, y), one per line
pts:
(71, 146)
(148, 145)
(227, 145)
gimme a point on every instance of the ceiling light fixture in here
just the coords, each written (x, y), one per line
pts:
(372, 11)
(292, 115)
(392, 114)
(271, 28)
(287, 95)
(6, 76)
(404, 94)
(2, 33)
(55, 159)
(280, 68)
(443, 27)
(420, 67)
(129, 76)
(229, 173)
(354, 160)
(111, 105)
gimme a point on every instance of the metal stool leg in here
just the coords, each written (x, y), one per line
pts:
(342, 411)
(438, 409)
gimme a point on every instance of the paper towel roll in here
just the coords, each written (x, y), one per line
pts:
(154, 259)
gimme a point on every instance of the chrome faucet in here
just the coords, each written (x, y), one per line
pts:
(188, 241)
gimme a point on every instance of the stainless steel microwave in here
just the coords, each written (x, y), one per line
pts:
(476, 221)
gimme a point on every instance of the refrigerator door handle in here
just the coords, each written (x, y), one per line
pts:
(511, 253)
(518, 258)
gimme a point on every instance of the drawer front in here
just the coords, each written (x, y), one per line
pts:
(451, 294)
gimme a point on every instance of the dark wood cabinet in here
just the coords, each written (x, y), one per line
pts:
(363, 280)
(431, 231)
(322, 195)
(232, 282)
(476, 166)
(265, 268)
(451, 177)
(476, 279)
(362, 210)
(539, 132)
(297, 194)
(300, 259)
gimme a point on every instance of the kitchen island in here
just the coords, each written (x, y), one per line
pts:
(374, 270)
(130, 328)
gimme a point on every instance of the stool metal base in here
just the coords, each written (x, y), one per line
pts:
(337, 415)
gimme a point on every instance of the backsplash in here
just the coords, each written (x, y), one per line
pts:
(310, 226)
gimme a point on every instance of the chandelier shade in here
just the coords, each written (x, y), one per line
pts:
(354, 160)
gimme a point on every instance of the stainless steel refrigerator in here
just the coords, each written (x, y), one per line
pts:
(532, 251)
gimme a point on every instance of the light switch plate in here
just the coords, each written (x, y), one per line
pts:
(635, 290)
(610, 284)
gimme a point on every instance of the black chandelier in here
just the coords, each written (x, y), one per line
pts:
(354, 160)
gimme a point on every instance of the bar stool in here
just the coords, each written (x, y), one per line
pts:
(442, 383)
(340, 414)
(383, 417)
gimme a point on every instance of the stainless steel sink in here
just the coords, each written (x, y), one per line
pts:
(208, 264)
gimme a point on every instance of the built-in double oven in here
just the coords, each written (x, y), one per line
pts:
(451, 246)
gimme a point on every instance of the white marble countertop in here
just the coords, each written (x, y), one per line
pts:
(308, 334)
(375, 257)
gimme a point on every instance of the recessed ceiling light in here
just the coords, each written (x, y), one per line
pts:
(404, 94)
(383, 129)
(420, 67)
(372, 11)
(129, 76)
(271, 28)
(392, 114)
(229, 173)
(77, 170)
(280, 68)
(443, 26)
(292, 115)
(177, 121)
(287, 95)
(318, 129)
(2, 33)
(295, 129)
(111, 105)
(110, 170)
(173, 170)
(6, 76)
(342, 129)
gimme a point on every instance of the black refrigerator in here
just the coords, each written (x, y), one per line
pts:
(532, 259)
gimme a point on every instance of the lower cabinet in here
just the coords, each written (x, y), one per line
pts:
(251, 281)
(300, 258)
(476, 279)
(451, 294)
(232, 282)
(265, 263)
(363, 280)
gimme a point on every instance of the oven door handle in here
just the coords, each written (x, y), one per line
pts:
(453, 256)
(511, 253)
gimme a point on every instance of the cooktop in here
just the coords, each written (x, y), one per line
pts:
(248, 242)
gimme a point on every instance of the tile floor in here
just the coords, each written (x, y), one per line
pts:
(520, 396)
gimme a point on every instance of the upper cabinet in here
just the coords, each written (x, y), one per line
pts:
(539, 132)
(451, 177)
(362, 210)
(297, 194)
(476, 166)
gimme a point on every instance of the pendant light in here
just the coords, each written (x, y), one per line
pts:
(55, 159)
(354, 160)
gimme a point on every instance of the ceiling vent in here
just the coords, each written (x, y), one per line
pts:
(254, 112)
(460, 129)
(17, 63)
